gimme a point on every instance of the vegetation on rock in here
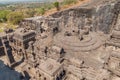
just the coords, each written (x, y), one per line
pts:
(3, 15)
(15, 17)
(14, 13)
(57, 6)
(66, 2)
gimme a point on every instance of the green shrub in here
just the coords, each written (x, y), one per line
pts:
(3, 15)
(42, 11)
(15, 17)
(30, 13)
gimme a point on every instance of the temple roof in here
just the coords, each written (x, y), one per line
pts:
(50, 66)
(22, 34)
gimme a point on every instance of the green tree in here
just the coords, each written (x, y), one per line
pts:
(42, 11)
(15, 17)
(31, 13)
(57, 5)
(3, 15)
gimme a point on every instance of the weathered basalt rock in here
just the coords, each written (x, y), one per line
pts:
(71, 44)
(101, 17)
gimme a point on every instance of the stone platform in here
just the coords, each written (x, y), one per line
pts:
(74, 44)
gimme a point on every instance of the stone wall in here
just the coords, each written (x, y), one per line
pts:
(99, 17)
(105, 16)
(77, 17)
(38, 23)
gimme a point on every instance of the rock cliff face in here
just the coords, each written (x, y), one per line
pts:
(105, 16)
(100, 16)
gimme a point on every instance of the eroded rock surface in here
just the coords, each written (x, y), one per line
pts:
(81, 43)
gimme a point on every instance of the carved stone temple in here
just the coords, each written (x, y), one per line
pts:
(80, 43)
